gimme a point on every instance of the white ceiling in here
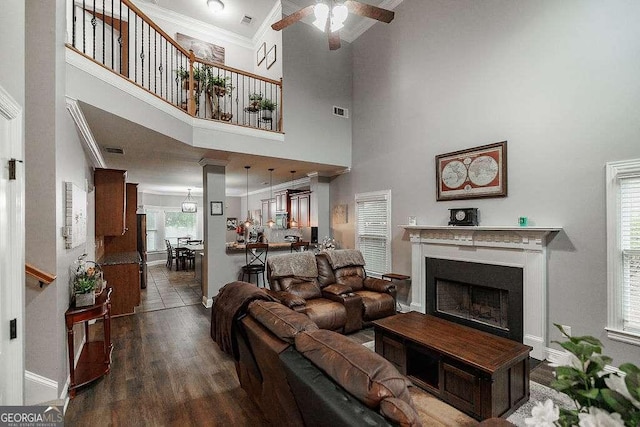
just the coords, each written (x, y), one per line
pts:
(160, 164)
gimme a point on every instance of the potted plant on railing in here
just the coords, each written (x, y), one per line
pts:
(254, 101)
(219, 85)
(266, 109)
(183, 75)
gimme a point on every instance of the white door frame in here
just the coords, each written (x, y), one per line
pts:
(12, 237)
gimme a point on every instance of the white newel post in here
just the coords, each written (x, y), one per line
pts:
(523, 247)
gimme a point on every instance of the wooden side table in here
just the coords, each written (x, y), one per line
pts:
(95, 359)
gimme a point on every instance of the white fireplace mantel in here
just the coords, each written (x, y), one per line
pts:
(523, 247)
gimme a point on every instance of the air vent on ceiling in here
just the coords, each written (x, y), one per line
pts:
(114, 150)
(246, 19)
(341, 112)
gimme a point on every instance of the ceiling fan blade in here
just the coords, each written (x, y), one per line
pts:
(334, 40)
(369, 11)
(293, 18)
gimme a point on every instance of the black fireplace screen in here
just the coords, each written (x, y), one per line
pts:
(475, 303)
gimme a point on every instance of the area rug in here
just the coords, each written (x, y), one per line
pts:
(537, 393)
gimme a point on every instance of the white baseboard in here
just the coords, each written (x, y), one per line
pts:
(157, 262)
(207, 302)
(64, 395)
(39, 389)
(555, 356)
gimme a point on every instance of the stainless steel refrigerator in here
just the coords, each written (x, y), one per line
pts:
(142, 248)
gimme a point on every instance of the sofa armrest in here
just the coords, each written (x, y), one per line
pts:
(353, 305)
(337, 289)
(288, 299)
(378, 285)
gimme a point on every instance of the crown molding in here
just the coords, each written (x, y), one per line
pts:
(155, 11)
(85, 132)
(276, 11)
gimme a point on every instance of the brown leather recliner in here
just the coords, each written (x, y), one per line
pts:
(346, 267)
(293, 278)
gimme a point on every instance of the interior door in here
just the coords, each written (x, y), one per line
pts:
(11, 252)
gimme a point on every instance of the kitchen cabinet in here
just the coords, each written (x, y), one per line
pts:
(128, 241)
(300, 208)
(268, 210)
(122, 273)
(110, 202)
(281, 201)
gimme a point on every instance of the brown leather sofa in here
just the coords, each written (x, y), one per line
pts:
(300, 375)
(331, 288)
(294, 279)
(345, 267)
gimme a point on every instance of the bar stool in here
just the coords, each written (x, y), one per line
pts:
(256, 260)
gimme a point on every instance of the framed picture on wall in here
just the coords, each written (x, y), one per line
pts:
(202, 49)
(271, 56)
(472, 173)
(216, 208)
(261, 53)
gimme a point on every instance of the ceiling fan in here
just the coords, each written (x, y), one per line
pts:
(330, 16)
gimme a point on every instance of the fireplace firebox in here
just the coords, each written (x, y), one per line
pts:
(484, 296)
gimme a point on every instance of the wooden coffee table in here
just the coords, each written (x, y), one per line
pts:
(479, 373)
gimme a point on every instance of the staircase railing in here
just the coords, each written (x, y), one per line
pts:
(119, 36)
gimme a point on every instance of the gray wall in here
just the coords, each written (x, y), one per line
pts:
(12, 48)
(557, 79)
(53, 155)
(314, 80)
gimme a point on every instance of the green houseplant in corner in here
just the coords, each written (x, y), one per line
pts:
(266, 109)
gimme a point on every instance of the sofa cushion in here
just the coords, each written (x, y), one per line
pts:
(363, 373)
(376, 304)
(280, 320)
(400, 412)
(351, 276)
(304, 288)
(325, 272)
(326, 314)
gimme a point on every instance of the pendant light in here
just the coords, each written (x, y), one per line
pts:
(293, 222)
(271, 222)
(248, 222)
(189, 205)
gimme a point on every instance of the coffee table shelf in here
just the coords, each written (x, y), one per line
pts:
(479, 373)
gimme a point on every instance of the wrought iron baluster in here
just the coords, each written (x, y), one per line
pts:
(135, 49)
(93, 24)
(149, 50)
(112, 46)
(142, 51)
(155, 62)
(128, 42)
(120, 36)
(103, 32)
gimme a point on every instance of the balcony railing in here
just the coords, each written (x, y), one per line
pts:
(120, 37)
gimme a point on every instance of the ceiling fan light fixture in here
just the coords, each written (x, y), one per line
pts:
(321, 12)
(340, 13)
(215, 5)
(335, 25)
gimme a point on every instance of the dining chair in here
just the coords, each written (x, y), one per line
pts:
(256, 261)
(299, 246)
(184, 258)
(194, 242)
(171, 255)
(182, 241)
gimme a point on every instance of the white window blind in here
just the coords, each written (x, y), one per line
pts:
(630, 246)
(373, 231)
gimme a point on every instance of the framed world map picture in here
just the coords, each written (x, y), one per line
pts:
(473, 173)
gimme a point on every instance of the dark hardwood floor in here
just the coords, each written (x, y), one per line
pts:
(166, 370)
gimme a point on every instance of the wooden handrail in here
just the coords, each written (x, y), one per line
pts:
(154, 26)
(235, 70)
(42, 277)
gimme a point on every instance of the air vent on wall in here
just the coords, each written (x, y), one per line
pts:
(114, 150)
(341, 112)
(246, 19)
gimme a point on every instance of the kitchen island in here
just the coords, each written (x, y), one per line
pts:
(121, 270)
(233, 248)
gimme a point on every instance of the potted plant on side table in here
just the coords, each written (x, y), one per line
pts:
(87, 282)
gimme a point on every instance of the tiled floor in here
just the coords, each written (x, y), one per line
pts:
(168, 289)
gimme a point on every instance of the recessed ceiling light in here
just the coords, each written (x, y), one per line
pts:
(215, 5)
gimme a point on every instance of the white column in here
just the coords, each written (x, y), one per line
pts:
(320, 209)
(418, 270)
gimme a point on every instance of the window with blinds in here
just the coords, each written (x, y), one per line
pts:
(373, 231)
(630, 245)
(623, 250)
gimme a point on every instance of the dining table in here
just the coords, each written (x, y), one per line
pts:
(192, 249)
